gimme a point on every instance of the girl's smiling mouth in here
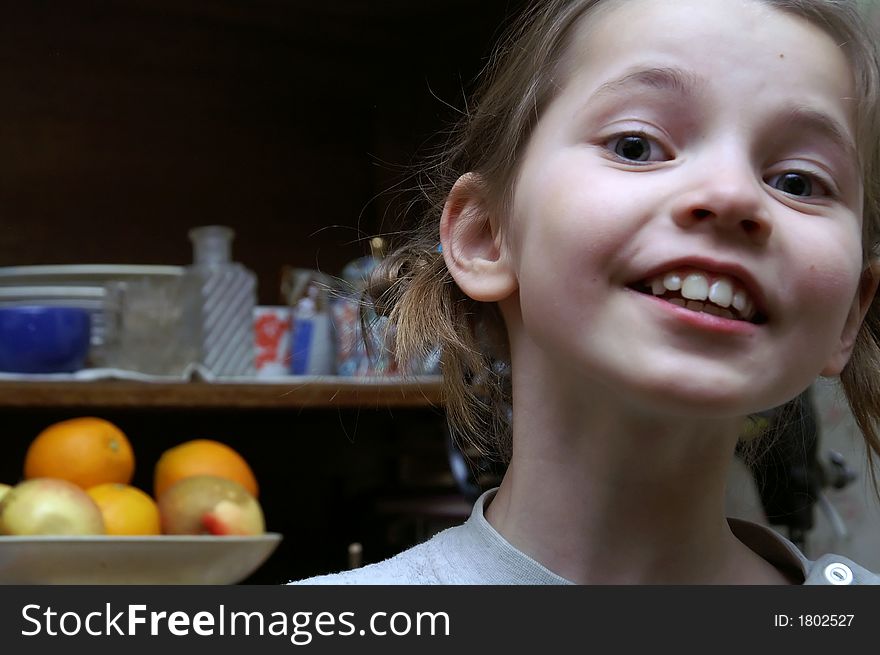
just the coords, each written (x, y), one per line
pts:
(708, 300)
(703, 315)
(725, 291)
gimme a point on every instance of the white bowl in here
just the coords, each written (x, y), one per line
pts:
(165, 559)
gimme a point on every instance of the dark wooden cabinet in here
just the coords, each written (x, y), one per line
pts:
(125, 123)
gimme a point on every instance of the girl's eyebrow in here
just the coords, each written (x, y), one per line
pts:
(812, 120)
(665, 79)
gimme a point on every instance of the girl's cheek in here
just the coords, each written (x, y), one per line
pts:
(830, 283)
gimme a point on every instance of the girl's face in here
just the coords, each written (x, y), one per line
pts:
(696, 147)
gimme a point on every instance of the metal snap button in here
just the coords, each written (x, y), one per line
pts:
(837, 573)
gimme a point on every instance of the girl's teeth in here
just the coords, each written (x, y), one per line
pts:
(672, 281)
(699, 295)
(706, 308)
(721, 292)
(695, 287)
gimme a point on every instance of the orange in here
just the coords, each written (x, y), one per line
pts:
(86, 451)
(202, 457)
(126, 510)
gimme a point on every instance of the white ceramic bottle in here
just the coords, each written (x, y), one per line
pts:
(225, 295)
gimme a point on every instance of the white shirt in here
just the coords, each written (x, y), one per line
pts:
(474, 553)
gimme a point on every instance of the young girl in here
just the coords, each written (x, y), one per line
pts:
(662, 218)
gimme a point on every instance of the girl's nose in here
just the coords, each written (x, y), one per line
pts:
(726, 200)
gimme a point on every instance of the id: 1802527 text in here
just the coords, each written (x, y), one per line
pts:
(813, 620)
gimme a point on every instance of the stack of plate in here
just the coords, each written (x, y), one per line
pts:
(98, 288)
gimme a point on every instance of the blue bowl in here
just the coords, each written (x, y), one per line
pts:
(38, 339)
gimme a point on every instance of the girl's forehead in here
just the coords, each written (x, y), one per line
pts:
(749, 42)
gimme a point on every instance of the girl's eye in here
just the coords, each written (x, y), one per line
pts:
(637, 148)
(795, 183)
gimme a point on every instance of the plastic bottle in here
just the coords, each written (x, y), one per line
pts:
(225, 294)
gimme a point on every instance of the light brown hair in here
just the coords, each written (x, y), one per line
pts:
(524, 75)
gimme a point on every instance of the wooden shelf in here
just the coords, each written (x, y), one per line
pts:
(324, 393)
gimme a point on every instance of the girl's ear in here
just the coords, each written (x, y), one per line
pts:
(861, 304)
(472, 243)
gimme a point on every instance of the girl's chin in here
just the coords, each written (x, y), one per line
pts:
(695, 401)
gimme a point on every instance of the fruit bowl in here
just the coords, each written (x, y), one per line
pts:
(166, 559)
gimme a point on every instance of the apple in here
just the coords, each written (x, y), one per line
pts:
(3, 489)
(207, 504)
(46, 506)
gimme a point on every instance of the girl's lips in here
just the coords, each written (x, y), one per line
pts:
(699, 320)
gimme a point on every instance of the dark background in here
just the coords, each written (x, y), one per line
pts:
(124, 123)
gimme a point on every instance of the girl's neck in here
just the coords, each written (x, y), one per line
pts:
(602, 494)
